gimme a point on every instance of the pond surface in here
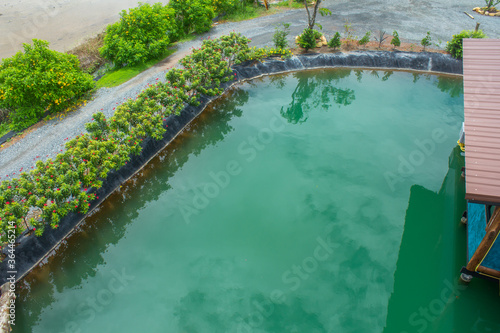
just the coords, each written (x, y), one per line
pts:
(318, 201)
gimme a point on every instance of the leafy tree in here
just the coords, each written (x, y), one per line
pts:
(141, 34)
(281, 33)
(426, 41)
(311, 18)
(39, 80)
(193, 15)
(335, 41)
(350, 39)
(395, 39)
(455, 46)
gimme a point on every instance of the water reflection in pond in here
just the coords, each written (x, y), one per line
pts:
(319, 201)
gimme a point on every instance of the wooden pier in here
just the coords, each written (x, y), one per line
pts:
(481, 63)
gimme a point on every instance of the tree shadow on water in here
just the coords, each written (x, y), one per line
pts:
(317, 92)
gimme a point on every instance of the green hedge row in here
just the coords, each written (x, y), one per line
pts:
(43, 196)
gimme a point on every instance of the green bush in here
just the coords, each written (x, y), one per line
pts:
(426, 41)
(335, 41)
(142, 34)
(308, 38)
(395, 39)
(365, 39)
(455, 46)
(280, 36)
(39, 80)
(193, 15)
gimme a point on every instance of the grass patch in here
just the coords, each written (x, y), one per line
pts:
(247, 13)
(286, 4)
(118, 76)
(250, 11)
(185, 39)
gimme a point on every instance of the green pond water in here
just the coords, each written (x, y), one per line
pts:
(318, 201)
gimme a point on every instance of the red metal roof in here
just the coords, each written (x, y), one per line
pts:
(481, 62)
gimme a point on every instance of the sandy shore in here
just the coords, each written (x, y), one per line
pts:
(64, 23)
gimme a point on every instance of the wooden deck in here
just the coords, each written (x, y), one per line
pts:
(481, 63)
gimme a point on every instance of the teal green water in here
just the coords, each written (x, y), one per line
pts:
(321, 201)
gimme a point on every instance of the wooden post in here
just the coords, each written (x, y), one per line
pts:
(477, 26)
(489, 272)
(469, 15)
(487, 242)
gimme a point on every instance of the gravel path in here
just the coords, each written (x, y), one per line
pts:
(411, 18)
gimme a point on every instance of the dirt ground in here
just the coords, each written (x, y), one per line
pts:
(370, 46)
(64, 23)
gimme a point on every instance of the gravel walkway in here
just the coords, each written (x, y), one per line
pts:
(411, 18)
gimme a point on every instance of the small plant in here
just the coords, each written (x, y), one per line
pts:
(381, 38)
(439, 42)
(426, 41)
(350, 39)
(395, 39)
(365, 39)
(280, 36)
(308, 38)
(335, 41)
(490, 4)
(455, 46)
